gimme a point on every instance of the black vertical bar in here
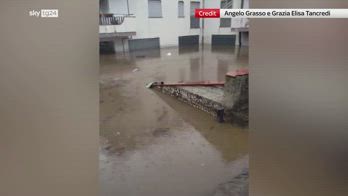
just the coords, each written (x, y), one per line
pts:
(128, 7)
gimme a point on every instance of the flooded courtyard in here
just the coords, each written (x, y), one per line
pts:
(154, 145)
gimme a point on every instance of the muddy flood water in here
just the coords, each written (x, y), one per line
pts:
(152, 144)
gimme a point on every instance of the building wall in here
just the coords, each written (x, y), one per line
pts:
(120, 6)
(170, 26)
(241, 22)
(212, 25)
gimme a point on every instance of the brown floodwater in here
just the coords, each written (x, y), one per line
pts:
(152, 144)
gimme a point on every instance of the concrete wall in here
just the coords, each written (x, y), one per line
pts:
(245, 39)
(120, 45)
(129, 25)
(170, 26)
(236, 96)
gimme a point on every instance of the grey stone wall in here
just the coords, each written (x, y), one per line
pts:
(236, 99)
(192, 99)
(234, 106)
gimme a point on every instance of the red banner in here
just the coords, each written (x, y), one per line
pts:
(207, 13)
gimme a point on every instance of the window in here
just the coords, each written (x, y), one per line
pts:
(226, 4)
(194, 22)
(155, 9)
(181, 9)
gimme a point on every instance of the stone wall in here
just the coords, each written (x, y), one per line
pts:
(233, 107)
(236, 96)
(193, 99)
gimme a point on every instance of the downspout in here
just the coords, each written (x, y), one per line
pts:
(202, 57)
(123, 44)
(240, 33)
(203, 6)
(128, 7)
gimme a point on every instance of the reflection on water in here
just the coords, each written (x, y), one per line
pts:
(151, 144)
(224, 49)
(195, 67)
(152, 53)
(191, 49)
(222, 69)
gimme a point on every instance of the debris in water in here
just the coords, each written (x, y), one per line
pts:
(150, 85)
(160, 132)
(135, 70)
(108, 147)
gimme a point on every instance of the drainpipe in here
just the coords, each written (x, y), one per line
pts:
(240, 33)
(202, 56)
(203, 6)
(128, 7)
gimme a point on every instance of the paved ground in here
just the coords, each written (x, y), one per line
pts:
(152, 144)
(213, 93)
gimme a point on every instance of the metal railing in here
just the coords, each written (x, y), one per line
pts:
(110, 19)
(120, 24)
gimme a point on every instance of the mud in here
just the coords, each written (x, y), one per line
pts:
(152, 144)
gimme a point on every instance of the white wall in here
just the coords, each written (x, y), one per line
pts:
(212, 25)
(241, 22)
(170, 27)
(120, 6)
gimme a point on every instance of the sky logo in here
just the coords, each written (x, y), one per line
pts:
(44, 13)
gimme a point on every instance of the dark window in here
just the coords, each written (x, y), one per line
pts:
(181, 9)
(194, 22)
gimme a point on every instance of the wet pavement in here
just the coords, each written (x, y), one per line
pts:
(152, 144)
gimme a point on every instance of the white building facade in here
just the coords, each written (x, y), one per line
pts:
(167, 21)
